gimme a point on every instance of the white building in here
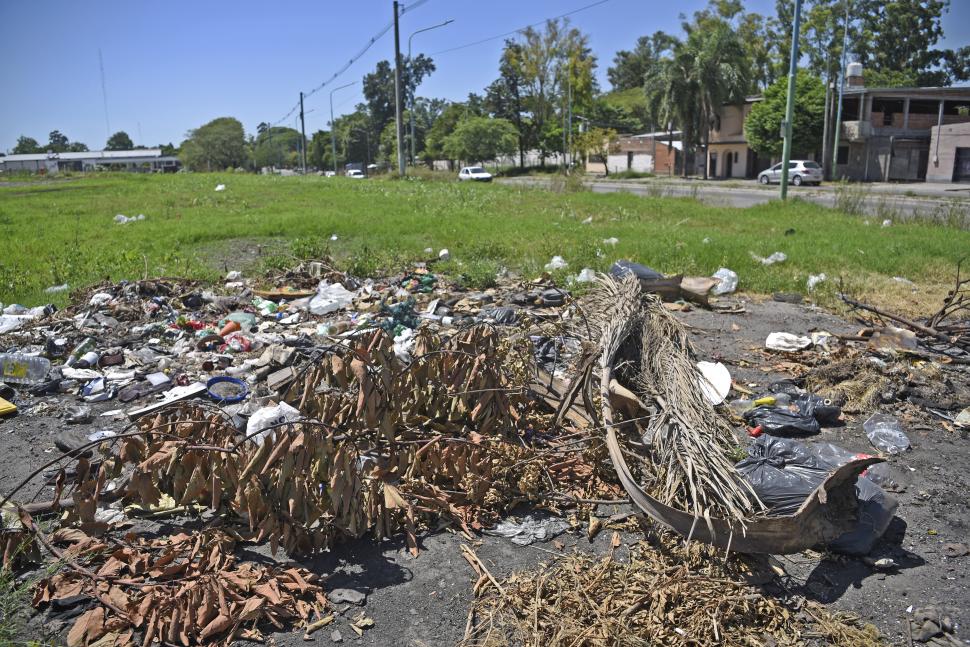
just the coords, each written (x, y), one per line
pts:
(145, 160)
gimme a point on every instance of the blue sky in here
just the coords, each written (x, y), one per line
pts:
(174, 65)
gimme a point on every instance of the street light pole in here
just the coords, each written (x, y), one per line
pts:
(790, 105)
(838, 113)
(333, 133)
(411, 92)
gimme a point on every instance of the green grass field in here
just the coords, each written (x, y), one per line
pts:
(63, 231)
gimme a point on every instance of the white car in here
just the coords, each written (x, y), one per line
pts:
(356, 173)
(799, 172)
(474, 174)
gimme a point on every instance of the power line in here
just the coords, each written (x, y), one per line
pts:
(363, 50)
(519, 30)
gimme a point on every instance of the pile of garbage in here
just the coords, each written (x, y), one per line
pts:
(311, 407)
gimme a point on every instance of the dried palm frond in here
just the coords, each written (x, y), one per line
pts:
(685, 445)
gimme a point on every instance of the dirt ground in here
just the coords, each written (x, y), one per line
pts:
(424, 601)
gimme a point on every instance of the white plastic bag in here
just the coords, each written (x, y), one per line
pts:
(728, 281)
(787, 342)
(267, 417)
(557, 263)
(330, 298)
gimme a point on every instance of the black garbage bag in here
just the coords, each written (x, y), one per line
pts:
(805, 416)
(782, 421)
(784, 472)
(623, 267)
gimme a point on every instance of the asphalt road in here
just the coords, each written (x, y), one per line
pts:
(938, 203)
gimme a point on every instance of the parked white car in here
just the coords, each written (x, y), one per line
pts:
(799, 172)
(356, 173)
(474, 174)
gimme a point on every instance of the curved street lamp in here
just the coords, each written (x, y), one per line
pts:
(411, 93)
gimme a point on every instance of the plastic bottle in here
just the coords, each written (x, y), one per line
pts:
(23, 369)
(886, 434)
(86, 345)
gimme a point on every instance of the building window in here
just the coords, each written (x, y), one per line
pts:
(843, 156)
(735, 157)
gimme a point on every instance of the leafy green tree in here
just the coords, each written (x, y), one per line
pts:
(631, 68)
(278, 146)
(318, 150)
(503, 98)
(624, 111)
(379, 87)
(76, 147)
(672, 95)
(168, 149)
(762, 128)
(480, 139)
(120, 141)
(444, 125)
(215, 146)
(57, 142)
(426, 112)
(597, 143)
(26, 145)
(553, 64)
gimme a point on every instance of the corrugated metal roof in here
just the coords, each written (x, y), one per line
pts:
(94, 156)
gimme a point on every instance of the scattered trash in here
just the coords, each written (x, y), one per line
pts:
(54, 289)
(346, 596)
(727, 282)
(588, 220)
(803, 415)
(557, 263)
(887, 222)
(329, 298)
(18, 368)
(929, 623)
(904, 281)
(220, 187)
(122, 219)
(612, 241)
(814, 280)
(227, 390)
(776, 257)
(586, 275)
(444, 255)
(785, 472)
(715, 381)
(787, 342)
(529, 529)
(261, 422)
(962, 419)
(886, 434)
(79, 415)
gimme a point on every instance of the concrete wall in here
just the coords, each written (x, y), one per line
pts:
(639, 162)
(948, 138)
(731, 124)
(721, 153)
(868, 161)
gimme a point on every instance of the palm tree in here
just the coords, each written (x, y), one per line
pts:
(721, 70)
(703, 73)
(672, 92)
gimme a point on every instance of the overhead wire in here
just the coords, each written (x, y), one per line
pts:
(520, 29)
(353, 59)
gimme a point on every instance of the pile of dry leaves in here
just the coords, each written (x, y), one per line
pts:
(666, 594)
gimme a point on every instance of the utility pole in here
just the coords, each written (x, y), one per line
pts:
(838, 113)
(790, 105)
(333, 131)
(570, 113)
(398, 126)
(302, 137)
